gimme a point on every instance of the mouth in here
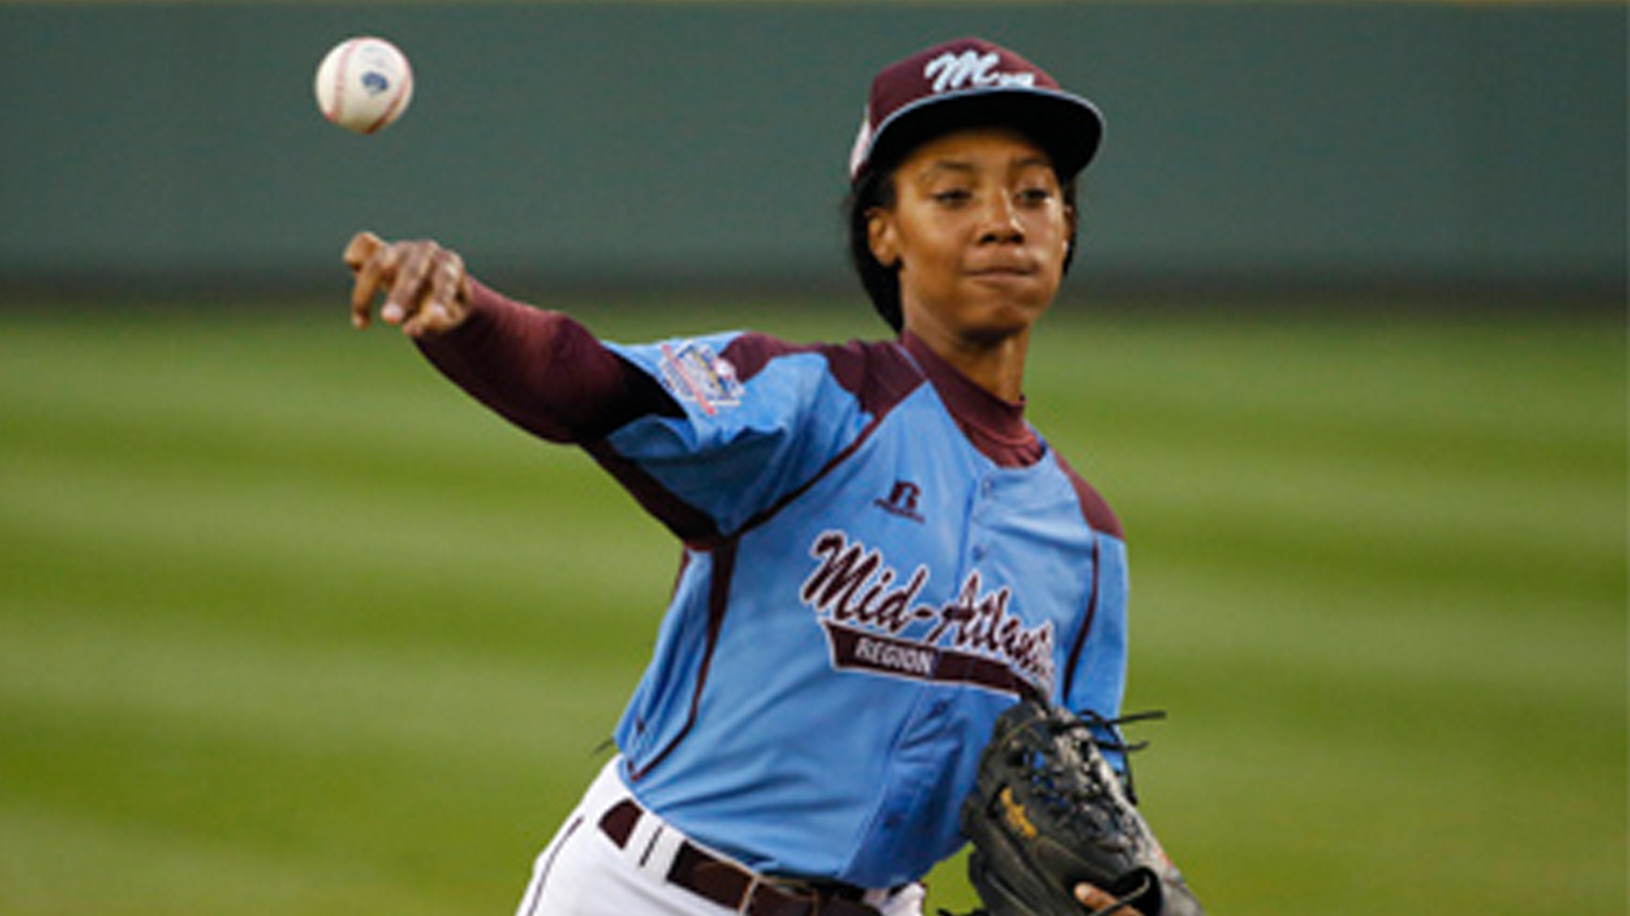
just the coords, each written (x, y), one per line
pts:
(1002, 272)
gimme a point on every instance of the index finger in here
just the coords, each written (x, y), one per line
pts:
(362, 247)
(374, 262)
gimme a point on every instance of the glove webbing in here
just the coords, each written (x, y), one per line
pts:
(1111, 727)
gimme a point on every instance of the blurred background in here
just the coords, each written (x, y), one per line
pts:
(1306, 144)
(288, 625)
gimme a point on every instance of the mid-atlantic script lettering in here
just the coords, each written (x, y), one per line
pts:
(875, 621)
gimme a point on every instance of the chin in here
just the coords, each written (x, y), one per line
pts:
(1012, 314)
(1002, 325)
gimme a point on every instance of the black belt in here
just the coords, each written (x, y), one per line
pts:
(730, 885)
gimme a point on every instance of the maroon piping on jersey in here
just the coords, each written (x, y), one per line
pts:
(1080, 641)
(693, 526)
(718, 603)
(1102, 519)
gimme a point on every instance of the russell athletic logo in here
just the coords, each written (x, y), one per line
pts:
(902, 500)
(875, 623)
(950, 72)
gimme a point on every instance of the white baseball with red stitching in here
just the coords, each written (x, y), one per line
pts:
(364, 84)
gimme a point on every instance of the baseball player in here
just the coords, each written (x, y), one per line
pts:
(879, 553)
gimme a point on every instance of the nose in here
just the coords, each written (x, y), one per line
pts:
(1001, 221)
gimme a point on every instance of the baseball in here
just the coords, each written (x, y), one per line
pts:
(364, 84)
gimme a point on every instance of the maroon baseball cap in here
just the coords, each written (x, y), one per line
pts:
(967, 82)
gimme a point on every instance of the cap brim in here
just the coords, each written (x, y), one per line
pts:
(1068, 127)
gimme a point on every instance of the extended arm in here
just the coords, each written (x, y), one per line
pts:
(539, 369)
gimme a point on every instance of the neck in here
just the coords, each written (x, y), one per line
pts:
(995, 364)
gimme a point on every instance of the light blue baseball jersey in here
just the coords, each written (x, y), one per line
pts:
(876, 554)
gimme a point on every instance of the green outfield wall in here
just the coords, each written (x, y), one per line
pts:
(1326, 143)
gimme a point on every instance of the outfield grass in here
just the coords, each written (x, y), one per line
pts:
(288, 626)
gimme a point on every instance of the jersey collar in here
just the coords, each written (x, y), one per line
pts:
(994, 425)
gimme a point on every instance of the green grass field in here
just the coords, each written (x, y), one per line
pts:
(289, 626)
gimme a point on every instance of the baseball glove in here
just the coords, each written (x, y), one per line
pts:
(1049, 813)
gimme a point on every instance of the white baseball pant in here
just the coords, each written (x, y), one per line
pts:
(583, 873)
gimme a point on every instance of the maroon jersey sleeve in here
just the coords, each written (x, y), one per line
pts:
(542, 370)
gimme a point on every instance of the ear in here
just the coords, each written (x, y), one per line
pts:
(883, 237)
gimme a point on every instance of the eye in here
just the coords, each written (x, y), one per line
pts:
(1036, 196)
(952, 197)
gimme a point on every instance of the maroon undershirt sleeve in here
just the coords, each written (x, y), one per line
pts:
(542, 370)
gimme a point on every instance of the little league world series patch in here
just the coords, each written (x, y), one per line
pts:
(692, 372)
